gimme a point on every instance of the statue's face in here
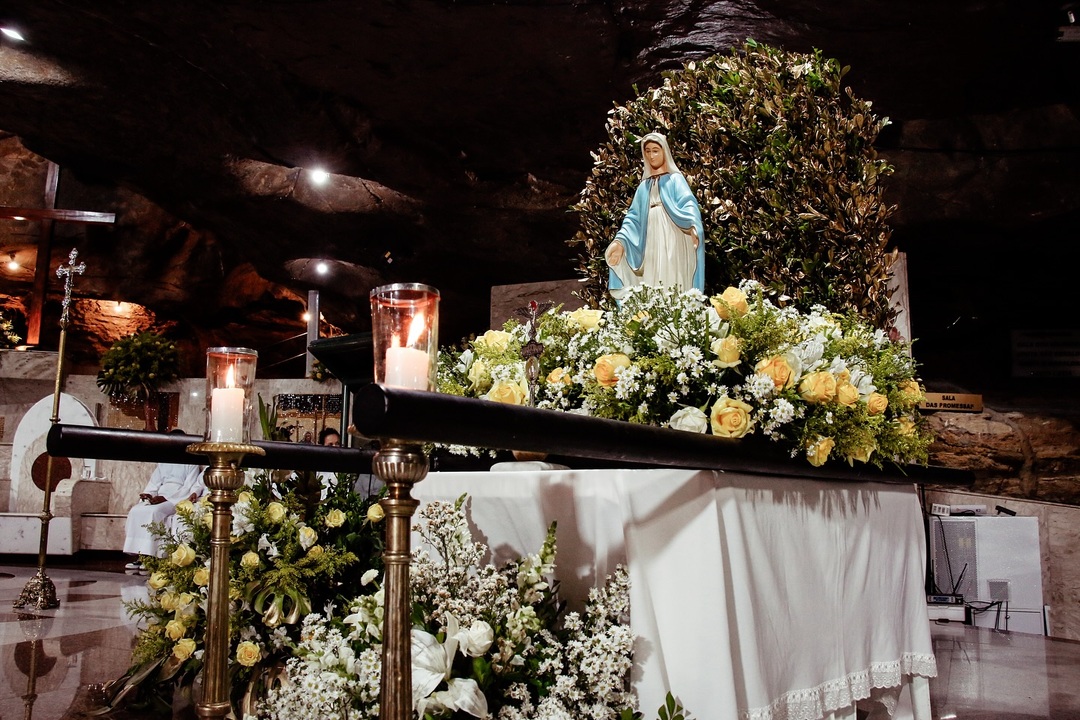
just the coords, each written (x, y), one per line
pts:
(654, 155)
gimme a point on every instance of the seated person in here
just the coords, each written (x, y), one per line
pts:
(168, 485)
(330, 437)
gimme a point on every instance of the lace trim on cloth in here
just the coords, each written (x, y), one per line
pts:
(841, 693)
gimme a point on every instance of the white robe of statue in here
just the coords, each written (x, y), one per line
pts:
(172, 482)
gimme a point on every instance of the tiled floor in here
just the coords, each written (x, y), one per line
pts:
(56, 655)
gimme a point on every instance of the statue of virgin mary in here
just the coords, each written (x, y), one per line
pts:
(661, 240)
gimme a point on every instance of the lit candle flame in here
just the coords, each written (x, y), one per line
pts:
(415, 328)
(230, 380)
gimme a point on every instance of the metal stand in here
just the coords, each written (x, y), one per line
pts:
(399, 465)
(222, 478)
(39, 591)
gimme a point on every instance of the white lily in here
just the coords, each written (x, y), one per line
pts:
(432, 662)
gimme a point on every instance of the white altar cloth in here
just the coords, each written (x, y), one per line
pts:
(751, 597)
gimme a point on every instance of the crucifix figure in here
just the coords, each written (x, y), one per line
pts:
(533, 349)
(68, 273)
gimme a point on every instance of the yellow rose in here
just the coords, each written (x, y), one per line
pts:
(726, 351)
(559, 376)
(910, 393)
(185, 506)
(244, 497)
(498, 340)
(307, 537)
(183, 600)
(183, 649)
(777, 368)
(861, 454)
(157, 581)
(248, 653)
(183, 555)
(606, 366)
(586, 318)
(818, 387)
(167, 601)
(175, 629)
(510, 393)
(730, 303)
(375, 513)
(315, 551)
(479, 376)
(201, 576)
(847, 394)
(208, 520)
(334, 518)
(275, 512)
(876, 403)
(250, 559)
(818, 452)
(730, 418)
(905, 426)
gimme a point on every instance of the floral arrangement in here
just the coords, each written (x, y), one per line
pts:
(487, 642)
(137, 365)
(320, 373)
(8, 337)
(820, 385)
(288, 555)
(306, 618)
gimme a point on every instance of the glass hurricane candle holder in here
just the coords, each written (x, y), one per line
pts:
(230, 387)
(405, 335)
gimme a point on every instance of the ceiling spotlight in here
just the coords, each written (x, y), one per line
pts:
(13, 34)
(319, 176)
(306, 316)
(322, 268)
(12, 264)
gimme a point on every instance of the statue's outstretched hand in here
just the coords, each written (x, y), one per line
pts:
(615, 253)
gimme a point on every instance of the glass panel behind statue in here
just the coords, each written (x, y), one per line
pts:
(661, 240)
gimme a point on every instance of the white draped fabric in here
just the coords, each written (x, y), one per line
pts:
(752, 597)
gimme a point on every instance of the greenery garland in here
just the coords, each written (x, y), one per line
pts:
(782, 162)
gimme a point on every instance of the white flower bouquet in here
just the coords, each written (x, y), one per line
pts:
(487, 642)
(818, 385)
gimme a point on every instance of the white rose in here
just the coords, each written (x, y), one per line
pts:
(477, 639)
(690, 419)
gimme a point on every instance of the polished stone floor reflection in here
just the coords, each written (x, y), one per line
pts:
(49, 659)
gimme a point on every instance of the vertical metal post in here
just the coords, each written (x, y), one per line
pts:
(399, 466)
(222, 478)
(39, 591)
(312, 329)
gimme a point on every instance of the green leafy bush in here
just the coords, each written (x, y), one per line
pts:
(137, 365)
(781, 160)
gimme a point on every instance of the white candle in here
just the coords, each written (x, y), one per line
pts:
(227, 415)
(407, 367)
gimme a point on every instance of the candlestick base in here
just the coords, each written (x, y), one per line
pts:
(39, 592)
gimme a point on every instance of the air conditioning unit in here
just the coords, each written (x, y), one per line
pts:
(993, 562)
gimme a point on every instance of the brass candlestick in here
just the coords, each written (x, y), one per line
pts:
(223, 477)
(399, 465)
(39, 590)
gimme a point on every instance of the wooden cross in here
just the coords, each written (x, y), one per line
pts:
(47, 216)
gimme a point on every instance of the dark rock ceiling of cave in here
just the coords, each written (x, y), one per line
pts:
(458, 133)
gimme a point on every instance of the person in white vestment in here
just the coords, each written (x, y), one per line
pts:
(661, 239)
(168, 485)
